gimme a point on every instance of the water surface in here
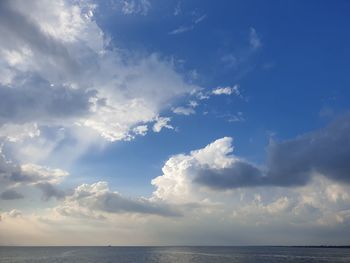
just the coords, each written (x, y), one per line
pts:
(171, 254)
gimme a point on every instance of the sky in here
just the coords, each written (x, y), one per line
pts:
(149, 122)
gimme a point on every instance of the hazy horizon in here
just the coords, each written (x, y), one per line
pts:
(149, 122)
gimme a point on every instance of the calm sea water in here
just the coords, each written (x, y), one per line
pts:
(172, 254)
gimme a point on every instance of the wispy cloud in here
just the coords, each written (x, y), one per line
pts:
(200, 19)
(186, 110)
(186, 28)
(181, 29)
(254, 39)
(141, 7)
(177, 9)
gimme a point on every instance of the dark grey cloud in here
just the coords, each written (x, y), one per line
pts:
(115, 203)
(49, 191)
(9, 172)
(291, 162)
(242, 174)
(36, 100)
(10, 194)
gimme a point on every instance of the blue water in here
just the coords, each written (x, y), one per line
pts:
(172, 254)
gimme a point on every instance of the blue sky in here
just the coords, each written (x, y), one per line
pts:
(146, 122)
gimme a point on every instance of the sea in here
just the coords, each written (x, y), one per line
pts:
(172, 254)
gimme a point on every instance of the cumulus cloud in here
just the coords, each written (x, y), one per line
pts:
(99, 198)
(289, 163)
(179, 172)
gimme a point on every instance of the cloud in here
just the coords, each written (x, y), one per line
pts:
(49, 191)
(179, 172)
(184, 111)
(141, 130)
(141, 7)
(239, 174)
(200, 19)
(177, 9)
(186, 28)
(39, 174)
(188, 110)
(325, 151)
(29, 175)
(162, 122)
(254, 39)
(19, 132)
(98, 197)
(24, 35)
(238, 117)
(39, 102)
(10, 194)
(226, 90)
(230, 60)
(62, 74)
(181, 29)
(289, 163)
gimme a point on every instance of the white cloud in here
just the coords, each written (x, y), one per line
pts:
(41, 174)
(184, 110)
(62, 83)
(176, 183)
(188, 110)
(226, 90)
(141, 130)
(162, 122)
